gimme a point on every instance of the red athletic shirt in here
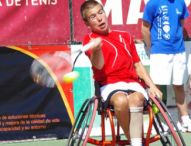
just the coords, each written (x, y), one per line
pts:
(120, 55)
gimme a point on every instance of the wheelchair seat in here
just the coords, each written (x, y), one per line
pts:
(102, 105)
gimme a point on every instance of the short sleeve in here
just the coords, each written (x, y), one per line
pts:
(185, 13)
(134, 54)
(149, 12)
(86, 41)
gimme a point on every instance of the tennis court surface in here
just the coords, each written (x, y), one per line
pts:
(62, 142)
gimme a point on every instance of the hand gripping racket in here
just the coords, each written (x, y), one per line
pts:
(50, 68)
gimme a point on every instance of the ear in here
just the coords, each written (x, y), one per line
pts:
(87, 24)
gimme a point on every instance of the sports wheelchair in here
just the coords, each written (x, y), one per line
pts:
(169, 135)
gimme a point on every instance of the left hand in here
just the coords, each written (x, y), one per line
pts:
(154, 91)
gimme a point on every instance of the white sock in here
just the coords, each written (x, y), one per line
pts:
(136, 142)
(179, 124)
(185, 119)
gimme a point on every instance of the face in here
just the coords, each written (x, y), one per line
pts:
(97, 20)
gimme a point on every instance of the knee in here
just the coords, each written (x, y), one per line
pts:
(121, 102)
(137, 99)
(178, 89)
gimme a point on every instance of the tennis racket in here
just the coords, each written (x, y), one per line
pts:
(48, 69)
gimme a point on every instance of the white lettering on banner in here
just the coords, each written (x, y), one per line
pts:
(9, 2)
(53, 2)
(115, 7)
(44, 1)
(41, 2)
(17, 2)
(134, 12)
(37, 2)
(0, 3)
(34, 2)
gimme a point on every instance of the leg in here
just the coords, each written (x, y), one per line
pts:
(181, 101)
(136, 101)
(189, 105)
(179, 115)
(121, 108)
(122, 104)
(179, 79)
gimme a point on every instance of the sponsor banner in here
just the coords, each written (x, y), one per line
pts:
(32, 22)
(124, 15)
(29, 111)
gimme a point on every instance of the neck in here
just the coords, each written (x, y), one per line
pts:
(103, 33)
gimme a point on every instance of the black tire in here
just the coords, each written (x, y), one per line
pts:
(164, 125)
(84, 121)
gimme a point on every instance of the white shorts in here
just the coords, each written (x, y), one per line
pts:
(107, 89)
(167, 69)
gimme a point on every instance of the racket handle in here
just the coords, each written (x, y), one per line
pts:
(87, 46)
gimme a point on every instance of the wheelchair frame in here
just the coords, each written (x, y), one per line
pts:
(80, 137)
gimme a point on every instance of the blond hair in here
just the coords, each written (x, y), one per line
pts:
(86, 6)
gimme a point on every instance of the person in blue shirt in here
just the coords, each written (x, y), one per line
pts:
(162, 30)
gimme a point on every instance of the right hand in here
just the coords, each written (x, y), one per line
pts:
(97, 44)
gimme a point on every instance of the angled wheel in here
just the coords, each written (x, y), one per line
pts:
(164, 125)
(84, 121)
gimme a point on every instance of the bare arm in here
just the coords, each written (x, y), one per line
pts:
(182, 24)
(143, 74)
(145, 29)
(97, 58)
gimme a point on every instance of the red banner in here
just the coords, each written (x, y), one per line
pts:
(32, 22)
(124, 15)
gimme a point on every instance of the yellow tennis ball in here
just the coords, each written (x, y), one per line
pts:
(155, 108)
(70, 77)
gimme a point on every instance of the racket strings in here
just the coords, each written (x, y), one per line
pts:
(40, 75)
(58, 63)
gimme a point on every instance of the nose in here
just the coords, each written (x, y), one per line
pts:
(99, 18)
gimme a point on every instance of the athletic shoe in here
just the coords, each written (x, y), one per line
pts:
(179, 126)
(186, 126)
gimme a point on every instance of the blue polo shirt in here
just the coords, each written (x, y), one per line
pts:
(166, 31)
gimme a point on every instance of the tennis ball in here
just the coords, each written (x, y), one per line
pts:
(70, 77)
(155, 108)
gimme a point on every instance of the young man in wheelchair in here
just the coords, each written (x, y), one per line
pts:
(116, 67)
